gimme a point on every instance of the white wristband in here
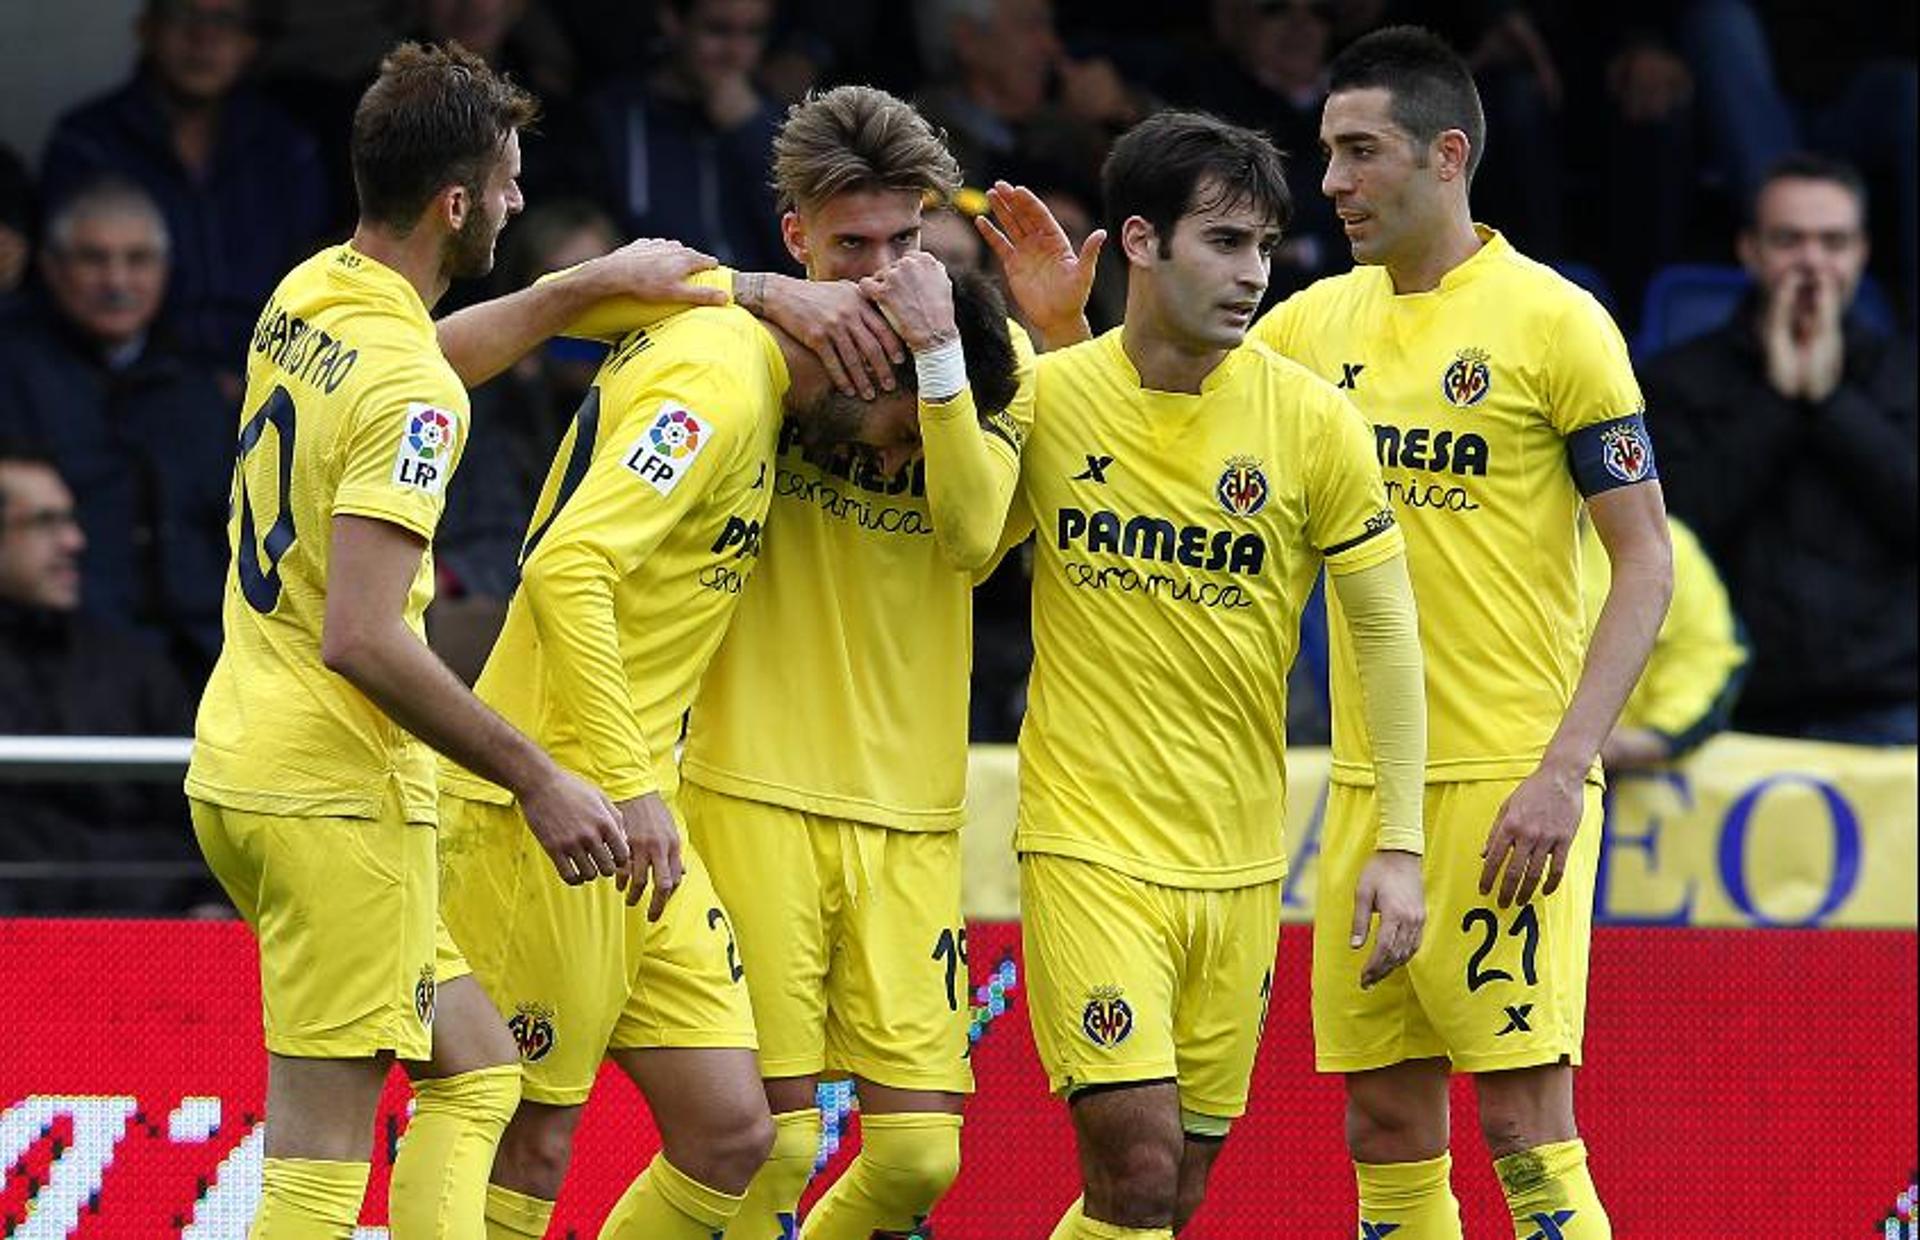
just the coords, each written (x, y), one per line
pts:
(942, 371)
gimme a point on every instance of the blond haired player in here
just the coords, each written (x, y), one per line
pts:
(1186, 488)
(830, 823)
(1501, 398)
(312, 787)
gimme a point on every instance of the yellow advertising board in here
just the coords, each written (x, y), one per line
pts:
(1748, 831)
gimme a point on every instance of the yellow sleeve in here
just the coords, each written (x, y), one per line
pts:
(1377, 603)
(615, 317)
(400, 448)
(1589, 376)
(1348, 517)
(651, 462)
(1694, 670)
(973, 465)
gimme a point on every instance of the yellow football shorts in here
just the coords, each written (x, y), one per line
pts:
(1490, 988)
(1130, 981)
(574, 970)
(351, 952)
(855, 948)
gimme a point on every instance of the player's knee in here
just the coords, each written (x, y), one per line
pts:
(536, 1149)
(1136, 1184)
(735, 1147)
(1384, 1126)
(910, 1160)
(1508, 1125)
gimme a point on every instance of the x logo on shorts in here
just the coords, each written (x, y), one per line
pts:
(1376, 1231)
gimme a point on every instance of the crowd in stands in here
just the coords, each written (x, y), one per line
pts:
(137, 246)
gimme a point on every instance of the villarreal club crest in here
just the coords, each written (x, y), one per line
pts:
(1242, 489)
(1468, 380)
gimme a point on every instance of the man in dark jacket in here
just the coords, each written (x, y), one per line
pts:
(240, 185)
(62, 673)
(143, 436)
(1787, 439)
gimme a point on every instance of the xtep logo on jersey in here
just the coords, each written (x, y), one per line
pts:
(1096, 470)
(1349, 380)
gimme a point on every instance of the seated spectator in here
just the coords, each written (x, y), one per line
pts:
(144, 436)
(241, 187)
(1787, 440)
(1693, 675)
(517, 424)
(684, 149)
(1274, 79)
(64, 674)
(1013, 102)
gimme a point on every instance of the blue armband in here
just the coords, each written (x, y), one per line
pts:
(1611, 454)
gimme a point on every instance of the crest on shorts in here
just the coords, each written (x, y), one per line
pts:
(1625, 452)
(1108, 1019)
(423, 996)
(1242, 489)
(1468, 380)
(532, 1028)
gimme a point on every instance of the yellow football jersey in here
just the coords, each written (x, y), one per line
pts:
(867, 629)
(1475, 391)
(1178, 538)
(642, 541)
(350, 410)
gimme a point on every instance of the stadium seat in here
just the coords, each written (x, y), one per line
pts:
(1688, 299)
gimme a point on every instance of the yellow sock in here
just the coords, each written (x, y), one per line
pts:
(1075, 1225)
(771, 1208)
(309, 1199)
(663, 1204)
(439, 1189)
(516, 1216)
(1408, 1201)
(1551, 1195)
(906, 1162)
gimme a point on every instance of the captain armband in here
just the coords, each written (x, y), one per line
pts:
(1611, 454)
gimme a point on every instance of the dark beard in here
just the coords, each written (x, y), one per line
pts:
(469, 252)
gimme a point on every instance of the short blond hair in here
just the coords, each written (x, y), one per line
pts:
(858, 138)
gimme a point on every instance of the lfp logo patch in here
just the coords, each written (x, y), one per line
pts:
(1625, 452)
(1107, 1020)
(669, 447)
(427, 448)
(1242, 489)
(1468, 380)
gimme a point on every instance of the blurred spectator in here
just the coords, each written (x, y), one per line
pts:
(684, 149)
(1275, 81)
(143, 435)
(1013, 103)
(1693, 675)
(64, 674)
(241, 187)
(518, 421)
(1787, 440)
(1849, 88)
(952, 238)
(16, 222)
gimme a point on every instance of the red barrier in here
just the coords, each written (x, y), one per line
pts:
(1739, 1083)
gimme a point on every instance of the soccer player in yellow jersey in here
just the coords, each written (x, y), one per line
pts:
(1501, 398)
(1187, 487)
(829, 823)
(312, 792)
(639, 550)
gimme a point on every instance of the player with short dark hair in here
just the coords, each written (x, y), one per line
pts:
(312, 787)
(1187, 487)
(1502, 401)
